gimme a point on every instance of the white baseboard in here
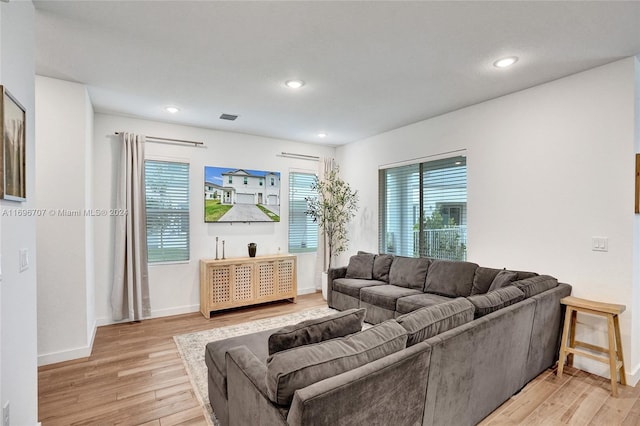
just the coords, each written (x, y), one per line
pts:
(67, 355)
(602, 370)
(158, 313)
(70, 354)
(307, 290)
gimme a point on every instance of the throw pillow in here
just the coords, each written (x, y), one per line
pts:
(494, 300)
(482, 279)
(317, 330)
(503, 279)
(381, 267)
(425, 323)
(360, 266)
(536, 285)
(297, 368)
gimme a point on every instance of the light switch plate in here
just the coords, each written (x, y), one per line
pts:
(24, 259)
(599, 243)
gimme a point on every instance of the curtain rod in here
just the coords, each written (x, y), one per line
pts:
(299, 156)
(170, 140)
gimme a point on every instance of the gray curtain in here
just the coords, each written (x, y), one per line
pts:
(130, 292)
(325, 165)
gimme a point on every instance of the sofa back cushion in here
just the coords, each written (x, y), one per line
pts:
(317, 330)
(427, 322)
(450, 278)
(494, 300)
(482, 279)
(382, 266)
(296, 368)
(409, 272)
(361, 266)
(536, 285)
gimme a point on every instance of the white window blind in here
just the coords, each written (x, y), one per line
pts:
(423, 209)
(167, 196)
(303, 231)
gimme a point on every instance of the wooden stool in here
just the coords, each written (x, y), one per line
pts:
(608, 310)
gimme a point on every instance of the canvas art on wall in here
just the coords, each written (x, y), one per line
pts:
(241, 195)
(12, 154)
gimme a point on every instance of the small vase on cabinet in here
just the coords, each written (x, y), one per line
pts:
(252, 249)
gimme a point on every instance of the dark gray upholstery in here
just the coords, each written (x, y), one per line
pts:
(333, 274)
(385, 296)
(361, 266)
(342, 302)
(297, 368)
(381, 267)
(407, 304)
(409, 272)
(494, 300)
(389, 391)
(536, 285)
(450, 278)
(503, 279)
(482, 279)
(376, 314)
(214, 358)
(355, 397)
(352, 286)
(433, 320)
(546, 331)
(316, 330)
(477, 366)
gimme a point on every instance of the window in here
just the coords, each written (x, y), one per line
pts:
(246, 180)
(167, 195)
(423, 209)
(303, 231)
(230, 179)
(273, 182)
(261, 181)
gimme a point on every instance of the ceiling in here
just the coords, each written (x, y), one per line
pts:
(369, 67)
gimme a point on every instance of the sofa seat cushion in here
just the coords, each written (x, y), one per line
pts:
(352, 286)
(494, 300)
(408, 304)
(297, 368)
(385, 296)
(433, 320)
(450, 278)
(215, 352)
(536, 285)
(409, 272)
(317, 330)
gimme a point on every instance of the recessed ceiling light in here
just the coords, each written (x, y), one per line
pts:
(505, 62)
(294, 84)
(171, 109)
(322, 135)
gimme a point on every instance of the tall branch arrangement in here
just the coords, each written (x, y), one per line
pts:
(333, 208)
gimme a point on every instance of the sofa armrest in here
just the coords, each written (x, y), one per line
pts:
(390, 390)
(333, 274)
(247, 390)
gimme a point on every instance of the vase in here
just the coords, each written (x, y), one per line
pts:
(252, 249)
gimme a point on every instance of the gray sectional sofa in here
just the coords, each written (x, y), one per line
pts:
(451, 341)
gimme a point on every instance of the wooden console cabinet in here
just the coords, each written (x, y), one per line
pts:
(246, 281)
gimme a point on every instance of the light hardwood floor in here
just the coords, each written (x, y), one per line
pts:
(136, 377)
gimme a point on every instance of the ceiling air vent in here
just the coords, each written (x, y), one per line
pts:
(230, 117)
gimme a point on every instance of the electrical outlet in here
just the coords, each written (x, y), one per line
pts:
(6, 417)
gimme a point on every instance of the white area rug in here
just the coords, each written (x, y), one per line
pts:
(191, 347)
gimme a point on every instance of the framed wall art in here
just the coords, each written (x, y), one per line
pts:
(13, 152)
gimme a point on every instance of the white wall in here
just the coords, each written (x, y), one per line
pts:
(66, 302)
(18, 334)
(175, 288)
(548, 168)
